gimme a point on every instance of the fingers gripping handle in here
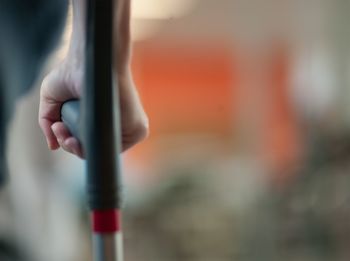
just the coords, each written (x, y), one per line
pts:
(70, 115)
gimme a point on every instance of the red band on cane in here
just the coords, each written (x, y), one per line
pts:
(106, 221)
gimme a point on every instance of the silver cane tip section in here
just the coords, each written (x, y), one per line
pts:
(108, 247)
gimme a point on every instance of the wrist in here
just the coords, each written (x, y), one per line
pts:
(77, 41)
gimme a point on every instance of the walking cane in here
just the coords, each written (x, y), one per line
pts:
(95, 127)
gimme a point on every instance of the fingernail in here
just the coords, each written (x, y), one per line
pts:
(48, 144)
(53, 128)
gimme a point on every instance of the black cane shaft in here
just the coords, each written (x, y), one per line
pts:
(103, 182)
(91, 120)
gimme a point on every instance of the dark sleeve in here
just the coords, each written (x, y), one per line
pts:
(29, 30)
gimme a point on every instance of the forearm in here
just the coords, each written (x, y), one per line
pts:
(77, 42)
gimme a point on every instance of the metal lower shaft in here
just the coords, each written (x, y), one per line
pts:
(108, 247)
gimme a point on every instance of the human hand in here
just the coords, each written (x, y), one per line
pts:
(65, 82)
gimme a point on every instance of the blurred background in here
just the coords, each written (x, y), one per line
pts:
(249, 153)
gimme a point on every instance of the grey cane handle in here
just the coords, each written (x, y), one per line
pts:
(70, 115)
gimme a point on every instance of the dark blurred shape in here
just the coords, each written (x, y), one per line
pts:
(10, 252)
(29, 31)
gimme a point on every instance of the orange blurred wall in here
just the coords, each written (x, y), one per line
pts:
(188, 87)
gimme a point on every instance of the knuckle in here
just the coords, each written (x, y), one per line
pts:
(142, 130)
(45, 81)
